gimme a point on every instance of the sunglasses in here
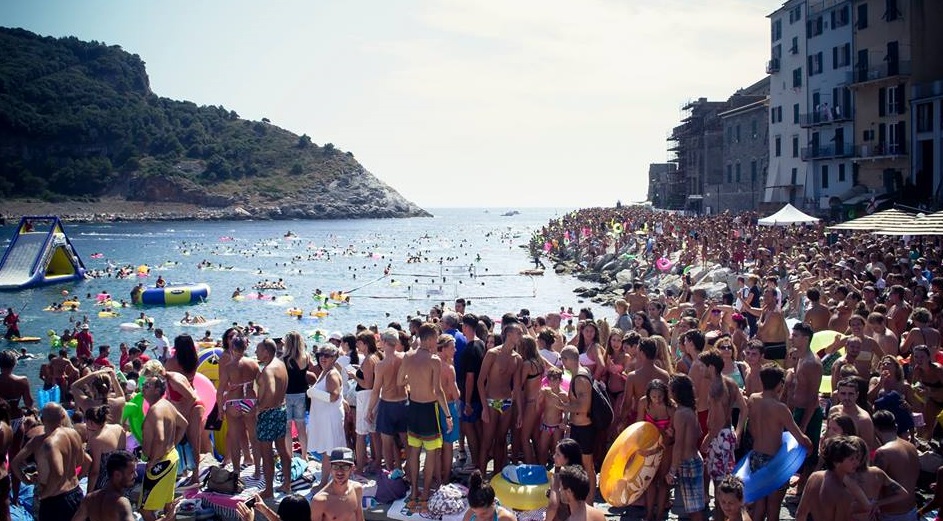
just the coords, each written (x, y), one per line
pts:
(725, 347)
(716, 311)
(341, 466)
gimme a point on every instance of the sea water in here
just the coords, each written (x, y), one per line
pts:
(471, 253)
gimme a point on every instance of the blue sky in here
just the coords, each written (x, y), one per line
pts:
(516, 103)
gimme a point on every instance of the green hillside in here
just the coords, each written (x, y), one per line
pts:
(78, 120)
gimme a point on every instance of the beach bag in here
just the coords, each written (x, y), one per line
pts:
(390, 489)
(214, 422)
(223, 481)
(600, 410)
(448, 499)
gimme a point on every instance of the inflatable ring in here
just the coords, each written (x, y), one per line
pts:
(203, 356)
(294, 312)
(663, 264)
(519, 497)
(617, 228)
(133, 414)
(206, 392)
(564, 383)
(687, 270)
(626, 472)
(776, 473)
(823, 339)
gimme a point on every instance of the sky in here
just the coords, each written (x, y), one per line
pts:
(454, 103)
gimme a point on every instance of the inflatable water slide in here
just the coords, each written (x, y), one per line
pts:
(39, 253)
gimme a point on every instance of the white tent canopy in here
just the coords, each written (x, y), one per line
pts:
(787, 215)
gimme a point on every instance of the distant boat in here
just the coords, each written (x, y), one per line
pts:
(510, 213)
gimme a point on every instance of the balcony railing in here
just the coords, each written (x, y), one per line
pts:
(772, 66)
(825, 117)
(880, 149)
(828, 151)
(879, 72)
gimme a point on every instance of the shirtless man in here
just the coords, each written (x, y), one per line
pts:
(899, 459)
(637, 381)
(848, 396)
(574, 491)
(499, 386)
(804, 398)
(637, 299)
(446, 348)
(828, 495)
(341, 499)
(64, 374)
(693, 343)
(164, 427)
(818, 314)
(843, 312)
(578, 402)
(882, 335)
(109, 503)
(753, 355)
(272, 383)
(420, 374)
(58, 451)
(687, 466)
(852, 357)
(720, 440)
(388, 400)
(771, 327)
(13, 389)
(767, 434)
(879, 490)
(899, 312)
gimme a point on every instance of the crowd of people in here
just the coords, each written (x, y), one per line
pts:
(720, 377)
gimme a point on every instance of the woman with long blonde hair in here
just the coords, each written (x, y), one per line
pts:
(300, 369)
(663, 357)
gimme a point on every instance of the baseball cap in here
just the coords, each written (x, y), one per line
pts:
(336, 335)
(342, 455)
(84, 326)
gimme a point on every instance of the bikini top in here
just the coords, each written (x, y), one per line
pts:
(539, 373)
(660, 424)
(586, 361)
(474, 517)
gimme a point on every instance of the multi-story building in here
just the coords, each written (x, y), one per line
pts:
(698, 148)
(745, 150)
(829, 120)
(926, 118)
(659, 182)
(787, 174)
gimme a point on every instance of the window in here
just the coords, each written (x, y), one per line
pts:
(862, 17)
(737, 134)
(794, 48)
(925, 117)
(868, 135)
(891, 100)
(841, 56)
(753, 171)
(776, 114)
(815, 64)
(795, 146)
(737, 170)
(795, 113)
(891, 12)
(814, 27)
(753, 129)
(729, 174)
(777, 52)
(841, 172)
(777, 30)
(778, 147)
(794, 178)
(795, 14)
(729, 135)
(797, 77)
(824, 176)
(840, 17)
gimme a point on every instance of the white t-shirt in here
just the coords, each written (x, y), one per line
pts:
(551, 356)
(160, 347)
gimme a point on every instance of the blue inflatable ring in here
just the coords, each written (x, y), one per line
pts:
(765, 481)
(525, 474)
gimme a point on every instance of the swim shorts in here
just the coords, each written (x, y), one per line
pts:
(422, 425)
(585, 437)
(813, 431)
(690, 483)
(159, 483)
(450, 436)
(65, 505)
(720, 457)
(775, 352)
(391, 417)
(271, 424)
(475, 415)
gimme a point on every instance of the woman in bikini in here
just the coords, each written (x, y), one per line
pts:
(551, 419)
(532, 372)
(620, 363)
(920, 334)
(103, 439)
(364, 376)
(929, 375)
(592, 354)
(642, 324)
(236, 398)
(99, 388)
(657, 408)
(890, 378)
(181, 370)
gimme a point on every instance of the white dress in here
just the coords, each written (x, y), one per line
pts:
(325, 420)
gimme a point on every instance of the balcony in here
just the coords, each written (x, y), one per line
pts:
(887, 70)
(827, 117)
(880, 150)
(927, 90)
(827, 151)
(772, 66)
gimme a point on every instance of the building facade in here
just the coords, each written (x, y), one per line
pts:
(787, 174)
(698, 147)
(829, 122)
(745, 150)
(659, 183)
(926, 118)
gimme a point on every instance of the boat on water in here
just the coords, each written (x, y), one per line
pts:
(510, 213)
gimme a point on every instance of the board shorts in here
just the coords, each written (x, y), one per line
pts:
(272, 424)
(813, 431)
(690, 486)
(391, 417)
(585, 437)
(159, 483)
(363, 427)
(702, 420)
(450, 436)
(422, 425)
(295, 406)
(759, 460)
(775, 352)
(720, 456)
(65, 505)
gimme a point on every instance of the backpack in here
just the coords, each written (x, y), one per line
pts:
(600, 410)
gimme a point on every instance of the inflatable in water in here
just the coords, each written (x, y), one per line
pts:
(630, 464)
(763, 482)
(519, 497)
(175, 295)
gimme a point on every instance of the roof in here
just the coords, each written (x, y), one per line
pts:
(788, 214)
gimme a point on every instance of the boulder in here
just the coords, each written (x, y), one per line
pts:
(625, 276)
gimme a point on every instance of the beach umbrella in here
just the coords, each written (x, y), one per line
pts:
(877, 221)
(921, 224)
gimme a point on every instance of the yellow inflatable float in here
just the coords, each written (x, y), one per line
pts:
(630, 464)
(519, 497)
(209, 367)
(108, 314)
